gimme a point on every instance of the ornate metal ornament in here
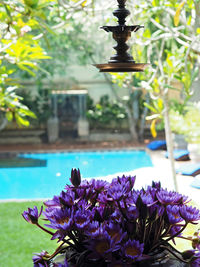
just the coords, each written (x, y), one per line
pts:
(122, 61)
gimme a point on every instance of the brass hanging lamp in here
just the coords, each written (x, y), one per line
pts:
(122, 61)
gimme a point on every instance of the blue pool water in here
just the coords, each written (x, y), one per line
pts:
(47, 181)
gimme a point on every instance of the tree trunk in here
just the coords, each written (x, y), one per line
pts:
(131, 122)
(143, 119)
(3, 124)
(169, 140)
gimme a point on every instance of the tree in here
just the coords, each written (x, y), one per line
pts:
(170, 42)
(21, 22)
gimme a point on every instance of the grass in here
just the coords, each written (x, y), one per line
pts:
(19, 239)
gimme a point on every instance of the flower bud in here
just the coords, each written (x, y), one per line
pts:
(188, 254)
(32, 215)
(75, 177)
(196, 240)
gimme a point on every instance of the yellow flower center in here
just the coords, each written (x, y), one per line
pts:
(132, 251)
(63, 220)
(102, 246)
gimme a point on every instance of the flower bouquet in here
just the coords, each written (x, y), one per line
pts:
(106, 224)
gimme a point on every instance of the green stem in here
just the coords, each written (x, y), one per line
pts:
(44, 229)
(56, 251)
(170, 238)
(51, 233)
(178, 233)
(73, 238)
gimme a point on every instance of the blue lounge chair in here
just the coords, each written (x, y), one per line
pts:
(157, 145)
(180, 155)
(189, 169)
(196, 182)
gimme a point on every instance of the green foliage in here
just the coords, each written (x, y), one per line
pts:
(19, 50)
(170, 43)
(39, 105)
(105, 113)
(187, 122)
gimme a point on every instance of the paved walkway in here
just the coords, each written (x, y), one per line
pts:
(161, 171)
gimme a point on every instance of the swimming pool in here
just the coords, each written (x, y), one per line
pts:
(48, 173)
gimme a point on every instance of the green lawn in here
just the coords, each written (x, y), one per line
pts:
(19, 239)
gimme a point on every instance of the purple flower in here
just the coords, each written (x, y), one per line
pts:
(101, 246)
(114, 231)
(92, 228)
(147, 198)
(156, 185)
(103, 198)
(189, 213)
(116, 216)
(98, 232)
(118, 192)
(105, 222)
(32, 215)
(102, 213)
(174, 230)
(41, 259)
(195, 260)
(99, 185)
(133, 249)
(75, 177)
(173, 214)
(132, 213)
(67, 199)
(127, 181)
(62, 219)
(156, 211)
(169, 198)
(53, 203)
(82, 218)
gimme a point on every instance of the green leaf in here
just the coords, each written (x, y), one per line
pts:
(28, 113)
(7, 11)
(44, 25)
(22, 67)
(30, 64)
(21, 121)
(171, 87)
(9, 116)
(150, 107)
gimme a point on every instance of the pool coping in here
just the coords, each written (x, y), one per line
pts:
(16, 152)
